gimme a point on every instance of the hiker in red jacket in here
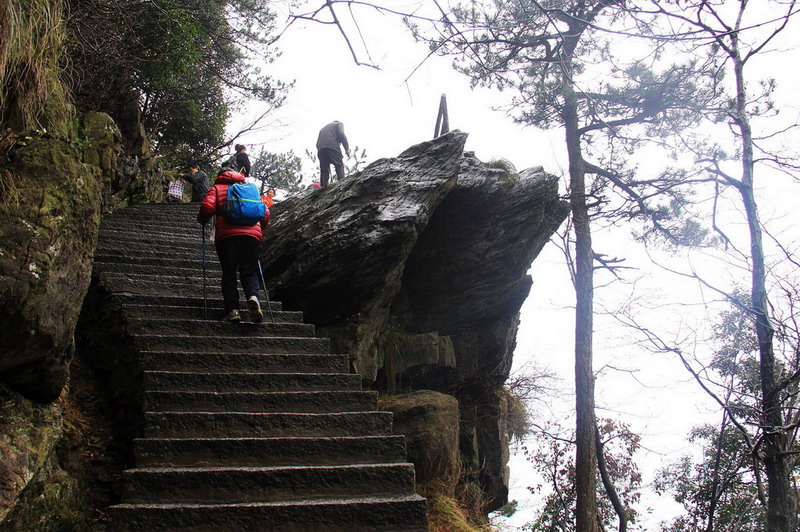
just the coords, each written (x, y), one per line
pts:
(237, 248)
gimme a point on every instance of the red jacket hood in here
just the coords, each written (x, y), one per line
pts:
(229, 177)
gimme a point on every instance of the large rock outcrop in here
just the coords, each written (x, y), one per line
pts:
(417, 268)
(55, 186)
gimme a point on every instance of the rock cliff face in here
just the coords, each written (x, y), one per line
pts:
(53, 188)
(417, 268)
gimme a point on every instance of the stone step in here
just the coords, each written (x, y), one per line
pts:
(297, 402)
(176, 237)
(260, 363)
(192, 268)
(203, 328)
(232, 344)
(249, 382)
(144, 223)
(260, 424)
(162, 284)
(154, 247)
(214, 300)
(169, 258)
(247, 484)
(399, 513)
(295, 451)
(156, 211)
(198, 313)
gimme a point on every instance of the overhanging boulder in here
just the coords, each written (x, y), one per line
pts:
(417, 268)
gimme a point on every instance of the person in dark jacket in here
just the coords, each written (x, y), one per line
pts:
(241, 161)
(199, 181)
(328, 152)
(237, 248)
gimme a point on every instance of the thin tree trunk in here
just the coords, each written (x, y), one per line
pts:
(780, 500)
(714, 495)
(585, 458)
(608, 484)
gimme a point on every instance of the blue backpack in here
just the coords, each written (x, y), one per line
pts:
(243, 206)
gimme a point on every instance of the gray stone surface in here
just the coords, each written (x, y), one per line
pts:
(429, 421)
(236, 422)
(417, 268)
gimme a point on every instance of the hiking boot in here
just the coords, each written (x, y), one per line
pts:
(232, 316)
(255, 309)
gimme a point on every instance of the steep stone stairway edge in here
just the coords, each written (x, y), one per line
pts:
(243, 426)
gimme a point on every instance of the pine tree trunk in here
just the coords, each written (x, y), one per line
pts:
(781, 514)
(585, 457)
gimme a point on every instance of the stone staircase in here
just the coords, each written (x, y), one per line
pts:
(245, 426)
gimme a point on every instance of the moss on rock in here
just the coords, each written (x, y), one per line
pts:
(29, 433)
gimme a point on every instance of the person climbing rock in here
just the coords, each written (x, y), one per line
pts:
(329, 153)
(241, 161)
(237, 248)
(199, 181)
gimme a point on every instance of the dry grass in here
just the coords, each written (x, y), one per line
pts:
(445, 514)
(455, 505)
(31, 37)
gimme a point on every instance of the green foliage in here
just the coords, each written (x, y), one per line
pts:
(278, 170)
(554, 459)
(189, 64)
(720, 490)
(508, 509)
(549, 51)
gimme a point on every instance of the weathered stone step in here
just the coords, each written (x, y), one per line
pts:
(167, 285)
(176, 237)
(401, 513)
(232, 344)
(259, 424)
(187, 222)
(192, 269)
(166, 452)
(245, 484)
(202, 328)
(260, 363)
(249, 382)
(198, 313)
(159, 257)
(153, 247)
(214, 300)
(155, 211)
(300, 401)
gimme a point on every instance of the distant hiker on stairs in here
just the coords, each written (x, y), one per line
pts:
(241, 161)
(237, 247)
(328, 152)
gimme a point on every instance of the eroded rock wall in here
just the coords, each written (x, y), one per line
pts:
(54, 187)
(417, 268)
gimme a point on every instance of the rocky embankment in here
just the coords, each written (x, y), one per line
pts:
(55, 183)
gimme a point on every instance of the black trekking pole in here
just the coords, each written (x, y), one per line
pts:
(205, 301)
(266, 293)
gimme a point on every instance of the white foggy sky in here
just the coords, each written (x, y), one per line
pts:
(385, 115)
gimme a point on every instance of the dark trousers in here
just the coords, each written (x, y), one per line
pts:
(238, 253)
(328, 157)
